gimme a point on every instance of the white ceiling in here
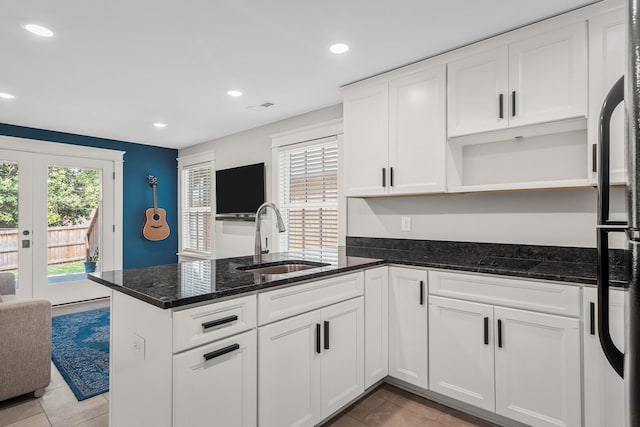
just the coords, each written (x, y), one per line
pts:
(114, 67)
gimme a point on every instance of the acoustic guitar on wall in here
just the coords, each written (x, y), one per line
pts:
(155, 226)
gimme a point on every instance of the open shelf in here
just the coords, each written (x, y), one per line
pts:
(557, 160)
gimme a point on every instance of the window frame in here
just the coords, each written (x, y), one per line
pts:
(310, 135)
(187, 162)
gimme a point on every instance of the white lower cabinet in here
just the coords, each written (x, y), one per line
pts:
(376, 325)
(520, 364)
(461, 356)
(603, 387)
(311, 365)
(408, 325)
(537, 363)
(216, 384)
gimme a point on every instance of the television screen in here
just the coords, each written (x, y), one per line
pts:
(240, 190)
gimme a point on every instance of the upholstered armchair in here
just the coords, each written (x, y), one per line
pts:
(25, 343)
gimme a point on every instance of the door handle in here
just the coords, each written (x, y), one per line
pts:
(486, 331)
(513, 103)
(326, 335)
(391, 177)
(421, 292)
(501, 105)
(605, 226)
(592, 318)
(499, 333)
(318, 349)
(384, 177)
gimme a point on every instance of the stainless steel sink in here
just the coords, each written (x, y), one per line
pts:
(281, 267)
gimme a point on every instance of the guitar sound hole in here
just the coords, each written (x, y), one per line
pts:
(156, 217)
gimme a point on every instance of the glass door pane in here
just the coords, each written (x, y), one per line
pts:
(69, 216)
(15, 224)
(73, 223)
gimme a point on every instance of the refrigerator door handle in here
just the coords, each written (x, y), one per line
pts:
(605, 226)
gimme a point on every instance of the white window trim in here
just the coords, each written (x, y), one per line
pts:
(310, 135)
(187, 161)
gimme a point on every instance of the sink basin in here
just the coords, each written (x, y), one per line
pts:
(281, 267)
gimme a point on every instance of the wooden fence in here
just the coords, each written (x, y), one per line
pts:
(65, 244)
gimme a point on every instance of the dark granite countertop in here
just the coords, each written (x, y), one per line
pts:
(175, 285)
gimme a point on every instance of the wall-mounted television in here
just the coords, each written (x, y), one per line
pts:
(240, 190)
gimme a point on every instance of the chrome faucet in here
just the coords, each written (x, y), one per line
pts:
(257, 257)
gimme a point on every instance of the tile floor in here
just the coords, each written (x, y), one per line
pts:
(387, 406)
(58, 407)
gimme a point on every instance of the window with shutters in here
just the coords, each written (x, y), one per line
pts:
(308, 196)
(196, 199)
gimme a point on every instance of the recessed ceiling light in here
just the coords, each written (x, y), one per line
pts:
(39, 30)
(160, 125)
(234, 93)
(5, 95)
(339, 48)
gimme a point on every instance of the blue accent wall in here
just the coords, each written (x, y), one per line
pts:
(139, 161)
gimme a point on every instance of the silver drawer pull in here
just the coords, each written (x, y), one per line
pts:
(218, 322)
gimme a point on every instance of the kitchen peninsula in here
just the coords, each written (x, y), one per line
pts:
(205, 339)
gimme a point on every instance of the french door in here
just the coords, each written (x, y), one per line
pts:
(55, 213)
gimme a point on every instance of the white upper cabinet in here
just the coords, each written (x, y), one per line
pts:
(417, 132)
(606, 66)
(535, 80)
(366, 135)
(548, 76)
(477, 90)
(395, 135)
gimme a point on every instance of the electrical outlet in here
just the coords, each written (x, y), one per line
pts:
(405, 223)
(138, 346)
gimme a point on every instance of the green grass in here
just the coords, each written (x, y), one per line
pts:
(61, 269)
(69, 268)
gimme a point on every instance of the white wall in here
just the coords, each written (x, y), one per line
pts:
(548, 217)
(243, 148)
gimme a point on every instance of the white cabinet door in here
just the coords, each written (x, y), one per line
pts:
(289, 372)
(376, 325)
(475, 86)
(606, 65)
(366, 140)
(603, 387)
(417, 132)
(461, 352)
(216, 384)
(342, 358)
(537, 362)
(408, 325)
(547, 76)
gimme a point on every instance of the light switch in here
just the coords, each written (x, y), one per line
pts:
(405, 224)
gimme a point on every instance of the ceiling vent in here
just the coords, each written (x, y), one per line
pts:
(261, 107)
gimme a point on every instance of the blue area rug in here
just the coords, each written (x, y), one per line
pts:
(80, 351)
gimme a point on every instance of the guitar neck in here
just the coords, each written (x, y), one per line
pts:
(155, 200)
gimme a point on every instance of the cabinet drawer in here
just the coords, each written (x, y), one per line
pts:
(527, 294)
(200, 325)
(287, 302)
(217, 382)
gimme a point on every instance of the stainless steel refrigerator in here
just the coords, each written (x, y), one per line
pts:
(627, 91)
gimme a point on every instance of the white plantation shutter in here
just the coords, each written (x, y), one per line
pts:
(308, 196)
(197, 195)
